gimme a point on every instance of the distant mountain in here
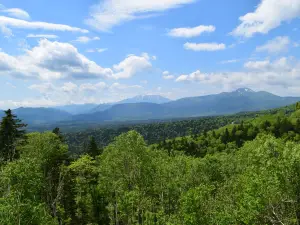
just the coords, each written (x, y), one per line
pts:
(41, 115)
(146, 98)
(122, 112)
(241, 100)
(101, 107)
(157, 99)
(77, 109)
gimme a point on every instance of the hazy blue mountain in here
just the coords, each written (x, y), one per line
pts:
(101, 107)
(77, 109)
(241, 100)
(146, 98)
(137, 99)
(41, 115)
(128, 111)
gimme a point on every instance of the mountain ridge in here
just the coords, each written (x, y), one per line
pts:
(240, 100)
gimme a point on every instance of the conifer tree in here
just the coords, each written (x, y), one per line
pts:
(58, 133)
(11, 134)
(297, 105)
(92, 148)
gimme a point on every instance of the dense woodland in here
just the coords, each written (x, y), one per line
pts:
(241, 169)
(158, 131)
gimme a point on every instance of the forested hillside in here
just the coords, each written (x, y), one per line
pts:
(247, 172)
(154, 132)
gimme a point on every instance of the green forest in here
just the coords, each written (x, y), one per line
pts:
(238, 169)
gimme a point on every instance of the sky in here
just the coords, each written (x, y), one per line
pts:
(55, 52)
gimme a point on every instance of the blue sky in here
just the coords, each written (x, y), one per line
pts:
(90, 51)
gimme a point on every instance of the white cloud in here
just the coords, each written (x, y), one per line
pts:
(6, 31)
(56, 60)
(42, 88)
(274, 75)
(47, 36)
(109, 13)
(230, 61)
(69, 87)
(8, 22)
(93, 87)
(167, 75)
(280, 65)
(117, 86)
(132, 65)
(85, 39)
(268, 15)
(18, 13)
(99, 50)
(204, 46)
(52, 60)
(189, 32)
(277, 45)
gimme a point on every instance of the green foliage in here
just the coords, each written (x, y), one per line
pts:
(92, 148)
(11, 132)
(31, 186)
(243, 173)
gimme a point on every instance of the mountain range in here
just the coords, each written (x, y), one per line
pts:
(157, 107)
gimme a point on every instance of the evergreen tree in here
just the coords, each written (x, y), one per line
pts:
(58, 133)
(92, 148)
(225, 137)
(11, 134)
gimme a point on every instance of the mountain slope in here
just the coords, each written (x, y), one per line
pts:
(228, 102)
(77, 109)
(241, 100)
(41, 115)
(157, 99)
(146, 98)
(121, 112)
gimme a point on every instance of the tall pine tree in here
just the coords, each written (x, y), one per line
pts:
(58, 133)
(92, 148)
(12, 133)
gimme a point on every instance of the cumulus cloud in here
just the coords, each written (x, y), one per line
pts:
(167, 75)
(47, 36)
(69, 87)
(8, 22)
(281, 65)
(109, 13)
(55, 60)
(131, 65)
(277, 45)
(204, 46)
(17, 13)
(268, 15)
(283, 72)
(44, 88)
(52, 60)
(117, 87)
(85, 39)
(189, 32)
(93, 87)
